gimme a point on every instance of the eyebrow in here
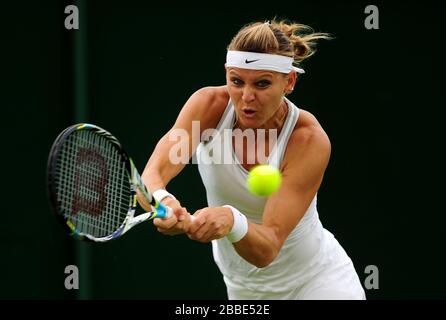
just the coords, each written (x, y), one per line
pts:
(266, 74)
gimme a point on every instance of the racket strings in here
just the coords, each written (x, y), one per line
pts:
(93, 186)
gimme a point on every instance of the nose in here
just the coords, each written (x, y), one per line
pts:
(248, 95)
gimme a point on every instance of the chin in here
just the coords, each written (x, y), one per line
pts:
(250, 123)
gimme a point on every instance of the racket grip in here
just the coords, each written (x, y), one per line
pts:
(163, 211)
(166, 212)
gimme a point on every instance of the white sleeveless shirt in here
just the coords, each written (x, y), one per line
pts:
(299, 260)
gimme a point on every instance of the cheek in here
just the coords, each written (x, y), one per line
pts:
(235, 93)
(270, 97)
(271, 102)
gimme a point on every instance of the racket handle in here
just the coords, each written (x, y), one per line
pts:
(166, 212)
(163, 211)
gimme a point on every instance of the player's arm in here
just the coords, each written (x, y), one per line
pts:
(205, 106)
(304, 165)
(159, 170)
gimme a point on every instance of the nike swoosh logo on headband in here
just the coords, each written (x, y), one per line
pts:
(249, 61)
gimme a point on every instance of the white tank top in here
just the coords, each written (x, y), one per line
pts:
(226, 184)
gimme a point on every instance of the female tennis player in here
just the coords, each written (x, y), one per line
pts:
(266, 248)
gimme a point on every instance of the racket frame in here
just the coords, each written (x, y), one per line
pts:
(158, 209)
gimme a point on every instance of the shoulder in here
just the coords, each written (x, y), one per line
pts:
(207, 104)
(308, 141)
(212, 99)
(308, 131)
(212, 94)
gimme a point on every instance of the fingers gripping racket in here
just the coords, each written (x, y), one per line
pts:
(92, 185)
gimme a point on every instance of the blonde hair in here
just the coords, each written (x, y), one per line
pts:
(278, 37)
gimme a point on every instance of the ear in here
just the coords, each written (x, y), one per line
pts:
(291, 81)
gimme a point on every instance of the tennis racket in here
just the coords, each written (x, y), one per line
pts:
(92, 185)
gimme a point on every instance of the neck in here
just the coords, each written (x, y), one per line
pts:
(278, 119)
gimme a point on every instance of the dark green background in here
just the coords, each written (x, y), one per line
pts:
(131, 67)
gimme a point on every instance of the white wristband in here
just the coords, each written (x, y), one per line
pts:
(240, 226)
(160, 194)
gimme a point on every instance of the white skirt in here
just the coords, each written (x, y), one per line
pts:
(335, 279)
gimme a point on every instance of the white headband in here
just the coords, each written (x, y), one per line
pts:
(261, 61)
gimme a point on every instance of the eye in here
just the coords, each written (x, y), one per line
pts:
(263, 83)
(236, 81)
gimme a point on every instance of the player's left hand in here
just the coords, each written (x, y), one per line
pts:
(210, 223)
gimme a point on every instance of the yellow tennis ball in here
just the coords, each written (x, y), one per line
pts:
(263, 180)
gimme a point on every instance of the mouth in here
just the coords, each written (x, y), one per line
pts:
(248, 112)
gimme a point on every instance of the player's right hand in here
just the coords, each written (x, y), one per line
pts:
(176, 224)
